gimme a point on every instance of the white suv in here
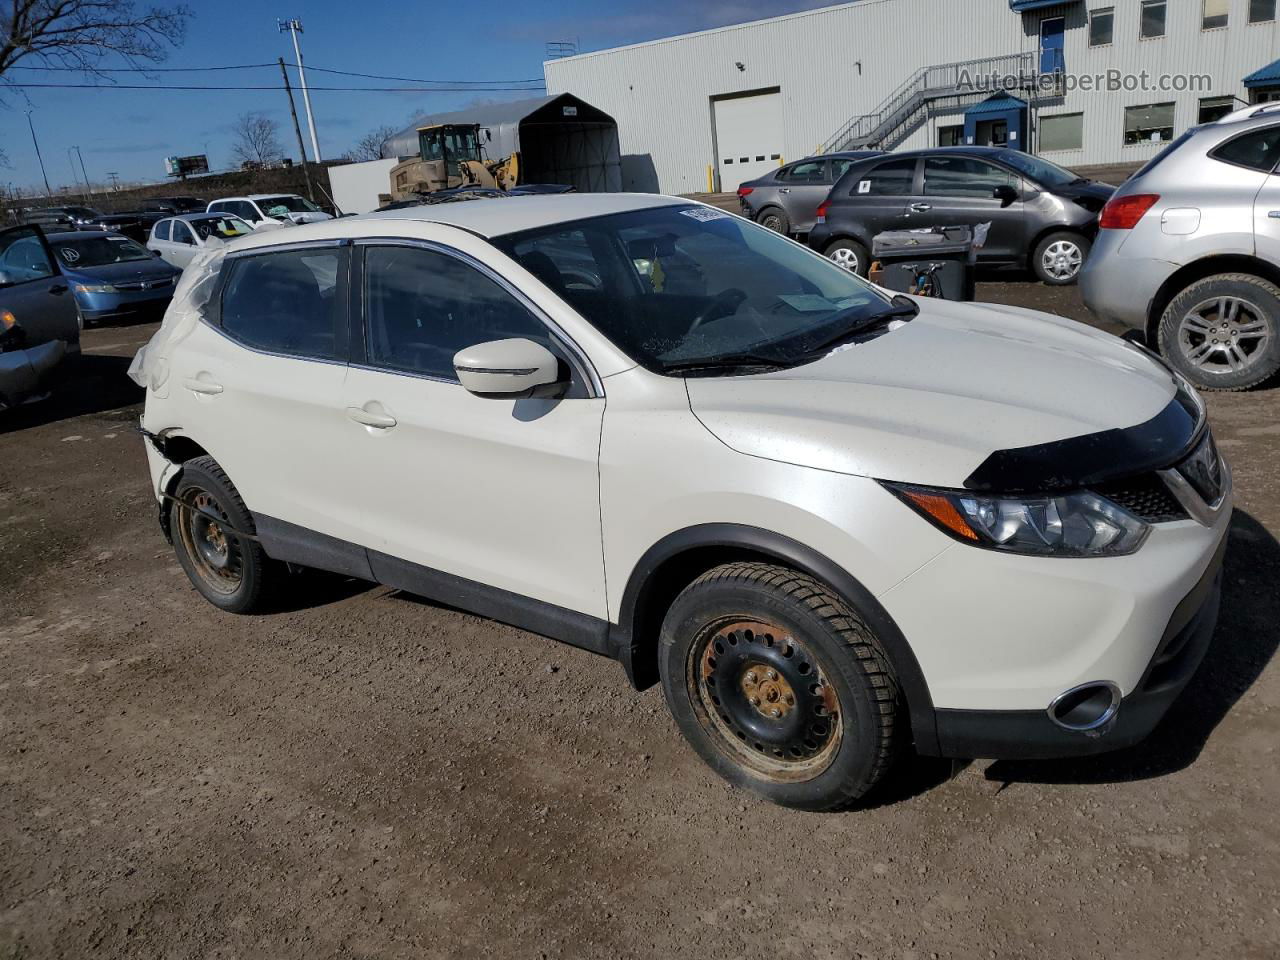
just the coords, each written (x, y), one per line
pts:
(834, 522)
(269, 208)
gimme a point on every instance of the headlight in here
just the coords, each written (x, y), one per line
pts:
(1080, 524)
(95, 288)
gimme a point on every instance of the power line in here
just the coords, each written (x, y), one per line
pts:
(255, 66)
(154, 86)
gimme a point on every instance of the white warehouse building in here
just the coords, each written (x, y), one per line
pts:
(1082, 82)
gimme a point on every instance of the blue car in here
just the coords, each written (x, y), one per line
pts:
(112, 276)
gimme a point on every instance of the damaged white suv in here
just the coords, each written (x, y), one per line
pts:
(835, 523)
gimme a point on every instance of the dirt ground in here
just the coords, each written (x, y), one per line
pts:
(369, 775)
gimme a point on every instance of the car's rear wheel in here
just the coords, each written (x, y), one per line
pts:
(1059, 257)
(779, 686)
(229, 570)
(851, 255)
(1223, 332)
(775, 219)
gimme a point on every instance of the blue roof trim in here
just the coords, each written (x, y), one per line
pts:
(1267, 76)
(998, 103)
(1023, 6)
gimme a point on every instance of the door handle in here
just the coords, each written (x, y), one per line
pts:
(58, 288)
(207, 387)
(784, 189)
(921, 207)
(380, 421)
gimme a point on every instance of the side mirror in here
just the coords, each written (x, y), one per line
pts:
(1005, 194)
(507, 369)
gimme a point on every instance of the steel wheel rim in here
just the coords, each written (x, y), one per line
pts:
(761, 696)
(845, 258)
(772, 222)
(1062, 259)
(214, 553)
(1223, 335)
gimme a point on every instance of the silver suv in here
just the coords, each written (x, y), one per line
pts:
(1188, 252)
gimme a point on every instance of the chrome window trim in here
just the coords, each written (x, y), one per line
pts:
(577, 356)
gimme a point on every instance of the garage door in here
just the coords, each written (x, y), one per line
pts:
(748, 137)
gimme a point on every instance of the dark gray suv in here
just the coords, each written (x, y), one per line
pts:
(1042, 215)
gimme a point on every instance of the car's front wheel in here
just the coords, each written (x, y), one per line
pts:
(779, 686)
(1059, 257)
(229, 570)
(851, 255)
(1223, 332)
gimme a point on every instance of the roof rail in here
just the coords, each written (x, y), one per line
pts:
(1252, 110)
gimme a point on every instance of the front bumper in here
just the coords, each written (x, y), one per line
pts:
(1031, 734)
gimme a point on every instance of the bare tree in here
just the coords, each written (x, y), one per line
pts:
(80, 34)
(257, 140)
(369, 147)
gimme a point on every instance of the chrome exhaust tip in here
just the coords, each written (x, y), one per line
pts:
(1085, 708)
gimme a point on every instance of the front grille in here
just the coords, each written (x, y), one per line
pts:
(144, 284)
(1203, 470)
(1146, 497)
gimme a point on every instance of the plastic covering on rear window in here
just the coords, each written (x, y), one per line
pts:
(150, 366)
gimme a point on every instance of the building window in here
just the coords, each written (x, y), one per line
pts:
(1262, 11)
(1215, 108)
(1148, 123)
(1152, 24)
(1264, 95)
(1065, 131)
(1101, 26)
(1215, 14)
(951, 136)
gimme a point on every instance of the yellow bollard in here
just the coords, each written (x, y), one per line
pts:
(711, 179)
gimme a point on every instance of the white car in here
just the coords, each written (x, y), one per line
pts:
(835, 523)
(270, 209)
(178, 239)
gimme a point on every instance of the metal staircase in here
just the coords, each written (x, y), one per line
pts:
(950, 84)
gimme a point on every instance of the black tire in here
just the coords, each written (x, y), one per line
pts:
(776, 219)
(850, 254)
(742, 639)
(233, 573)
(1059, 257)
(1249, 353)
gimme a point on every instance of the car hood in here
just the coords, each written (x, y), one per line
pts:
(930, 401)
(154, 269)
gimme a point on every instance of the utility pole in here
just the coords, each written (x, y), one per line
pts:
(293, 112)
(115, 180)
(75, 177)
(36, 143)
(294, 27)
(82, 171)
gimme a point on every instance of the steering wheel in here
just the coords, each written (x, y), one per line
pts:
(722, 304)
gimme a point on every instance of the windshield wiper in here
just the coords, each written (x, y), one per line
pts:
(726, 361)
(899, 307)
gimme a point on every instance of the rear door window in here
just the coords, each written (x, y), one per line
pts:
(182, 233)
(964, 177)
(290, 302)
(808, 171)
(162, 230)
(893, 179)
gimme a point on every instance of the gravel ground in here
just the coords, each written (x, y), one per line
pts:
(366, 774)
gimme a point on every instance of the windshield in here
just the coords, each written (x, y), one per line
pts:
(681, 285)
(223, 226)
(98, 251)
(270, 206)
(1046, 173)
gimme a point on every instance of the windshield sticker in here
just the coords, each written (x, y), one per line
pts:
(70, 255)
(704, 214)
(864, 186)
(806, 302)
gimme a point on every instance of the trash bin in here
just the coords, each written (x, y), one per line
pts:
(927, 263)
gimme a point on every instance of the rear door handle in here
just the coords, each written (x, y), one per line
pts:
(784, 189)
(380, 421)
(207, 387)
(921, 207)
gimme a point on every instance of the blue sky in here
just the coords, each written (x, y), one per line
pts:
(131, 132)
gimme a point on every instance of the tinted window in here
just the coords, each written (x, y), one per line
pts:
(219, 205)
(839, 165)
(810, 170)
(964, 177)
(162, 230)
(892, 179)
(23, 257)
(422, 307)
(182, 233)
(1259, 150)
(287, 302)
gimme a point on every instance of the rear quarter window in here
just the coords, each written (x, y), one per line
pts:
(291, 302)
(1256, 150)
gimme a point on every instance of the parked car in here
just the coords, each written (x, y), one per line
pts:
(786, 199)
(179, 239)
(74, 217)
(39, 329)
(112, 276)
(131, 225)
(1042, 215)
(263, 208)
(1188, 256)
(832, 523)
(174, 205)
